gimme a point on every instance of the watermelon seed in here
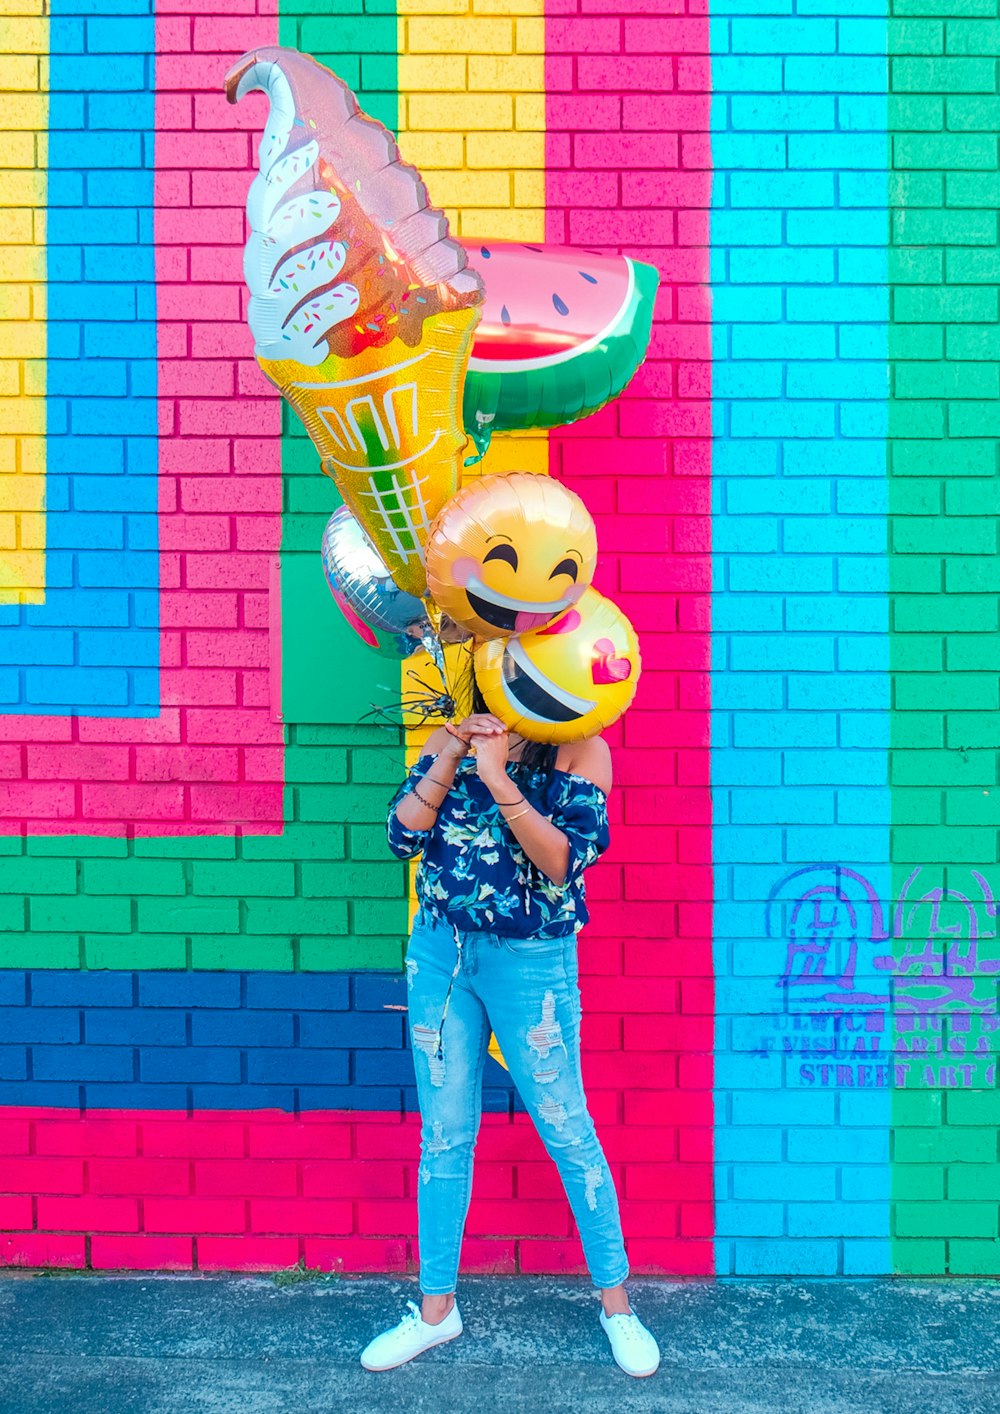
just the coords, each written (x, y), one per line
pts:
(590, 279)
(504, 315)
(561, 308)
(486, 254)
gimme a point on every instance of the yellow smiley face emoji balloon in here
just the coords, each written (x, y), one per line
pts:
(566, 681)
(510, 553)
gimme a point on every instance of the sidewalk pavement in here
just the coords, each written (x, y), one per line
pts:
(142, 1344)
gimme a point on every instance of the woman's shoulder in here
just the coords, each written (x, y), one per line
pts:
(590, 758)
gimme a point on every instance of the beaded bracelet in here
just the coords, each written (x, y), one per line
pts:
(425, 802)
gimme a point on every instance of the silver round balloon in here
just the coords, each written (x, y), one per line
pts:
(384, 616)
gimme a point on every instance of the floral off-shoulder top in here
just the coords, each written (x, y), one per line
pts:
(475, 875)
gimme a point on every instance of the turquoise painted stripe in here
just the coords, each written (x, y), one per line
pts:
(800, 645)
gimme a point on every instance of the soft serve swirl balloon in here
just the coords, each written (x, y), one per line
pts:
(362, 306)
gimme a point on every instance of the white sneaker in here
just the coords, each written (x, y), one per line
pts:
(412, 1336)
(632, 1345)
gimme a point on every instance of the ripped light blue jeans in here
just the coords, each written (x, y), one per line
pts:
(460, 986)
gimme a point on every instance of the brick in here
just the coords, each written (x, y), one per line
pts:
(946, 1219)
(304, 1216)
(193, 1215)
(933, 75)
(248, 1178)
(88, 1214)
(442, 36)
(352, 1254)
(31, 1249)
(137, 1176)
(246, 1254)
(971, 1258)
(141, 1252)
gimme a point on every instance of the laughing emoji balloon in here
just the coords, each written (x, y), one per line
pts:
(566, 681)
(510, 553)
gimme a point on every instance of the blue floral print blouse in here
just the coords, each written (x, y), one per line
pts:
(476, 876)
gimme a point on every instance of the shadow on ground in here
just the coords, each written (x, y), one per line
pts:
(142, 1344)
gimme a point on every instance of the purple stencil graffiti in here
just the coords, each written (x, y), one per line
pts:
(948, 965)
(938, 985)
(828, 921)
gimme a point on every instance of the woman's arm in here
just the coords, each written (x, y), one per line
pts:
(419, 807)
(545, 845)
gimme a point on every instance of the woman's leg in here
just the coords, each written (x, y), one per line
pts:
(534, 1006)
(448, 1062)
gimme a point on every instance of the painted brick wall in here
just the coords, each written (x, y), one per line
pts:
(790, 979)
(200, 1065)
(854, 607)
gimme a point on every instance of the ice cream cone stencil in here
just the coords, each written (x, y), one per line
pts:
(362, 306)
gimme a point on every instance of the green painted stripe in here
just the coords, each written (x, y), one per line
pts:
(944, 419)
(327, 674)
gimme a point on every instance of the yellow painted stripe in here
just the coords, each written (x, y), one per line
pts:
(471, 117)
(23, 162)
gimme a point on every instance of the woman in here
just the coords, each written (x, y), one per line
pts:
(506, 828)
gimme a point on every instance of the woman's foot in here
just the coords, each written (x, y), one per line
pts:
(632, 1345)
(435, 1308)
(614, 1299)
(411, 1337)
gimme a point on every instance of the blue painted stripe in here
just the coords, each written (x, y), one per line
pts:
(102, 559)
(800, 667)
(213, 1040)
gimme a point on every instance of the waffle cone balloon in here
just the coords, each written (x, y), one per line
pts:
(362, 306)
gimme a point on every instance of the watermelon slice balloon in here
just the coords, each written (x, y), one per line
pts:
(562, 332)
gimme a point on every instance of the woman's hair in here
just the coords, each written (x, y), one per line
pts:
(536, 755)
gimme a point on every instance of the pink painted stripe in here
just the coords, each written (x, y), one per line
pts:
(197, 768)
(627, 168)
(260, 1189)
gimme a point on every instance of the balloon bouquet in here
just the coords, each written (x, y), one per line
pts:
(397, 346)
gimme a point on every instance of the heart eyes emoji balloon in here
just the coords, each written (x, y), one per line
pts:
(508, 554)
(566, 681)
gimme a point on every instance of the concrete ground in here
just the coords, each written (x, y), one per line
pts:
(141, 1344)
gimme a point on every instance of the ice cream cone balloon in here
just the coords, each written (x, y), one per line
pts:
(362, 306)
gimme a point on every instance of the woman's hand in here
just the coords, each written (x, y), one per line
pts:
(486, 735)
(478, 724)
(452, 747)
(491, 760)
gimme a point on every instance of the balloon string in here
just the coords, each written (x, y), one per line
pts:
(429, 704)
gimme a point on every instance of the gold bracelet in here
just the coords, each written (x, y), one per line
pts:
(525, 811)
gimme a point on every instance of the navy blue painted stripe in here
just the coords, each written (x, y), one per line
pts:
(213, 1040)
